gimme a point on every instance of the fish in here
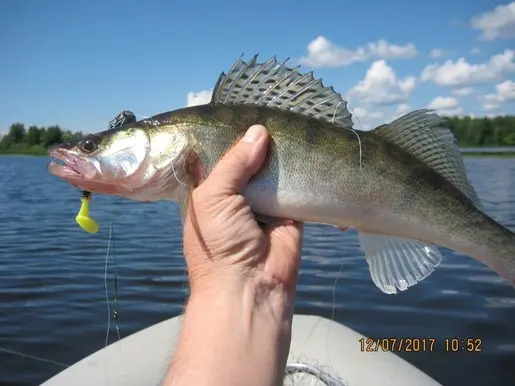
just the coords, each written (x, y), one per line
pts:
(402, 186)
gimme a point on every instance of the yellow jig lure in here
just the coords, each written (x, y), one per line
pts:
(83, 219)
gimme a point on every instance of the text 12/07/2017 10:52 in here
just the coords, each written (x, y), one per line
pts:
(420, 344)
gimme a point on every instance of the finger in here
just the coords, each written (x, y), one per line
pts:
(286, 242)
(240, 163)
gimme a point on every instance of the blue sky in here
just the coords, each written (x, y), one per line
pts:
(77, 64)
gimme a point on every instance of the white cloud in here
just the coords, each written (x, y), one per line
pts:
(436, 53)
(376, 115)
(199, 98)
(505, 92)
(499, 23)
(363, 113)
(365, 119)
(490, 106)
(445, 106)
(463, 91)
(382, 87)
(323, 53)
(384, 50)
(460, 73)
(402, 109)
(359, 112)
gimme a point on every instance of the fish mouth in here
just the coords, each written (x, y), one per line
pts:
(79, 172)
(65, 165)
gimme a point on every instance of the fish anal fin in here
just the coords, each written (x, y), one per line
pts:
(273, 84)
(398, 263)
(424, 135)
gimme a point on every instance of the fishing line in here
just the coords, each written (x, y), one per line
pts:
(110, 244)
(171, 163)
(333, 311)
(357, 135)
(333, 308)
(115, 307)
(34, 357)
(105, 278)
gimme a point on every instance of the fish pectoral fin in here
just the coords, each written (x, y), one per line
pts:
(397, 263)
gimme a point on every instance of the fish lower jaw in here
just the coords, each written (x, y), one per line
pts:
(64, 170)
(65, 164)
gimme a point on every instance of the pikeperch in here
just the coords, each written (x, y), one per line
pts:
(403, 185)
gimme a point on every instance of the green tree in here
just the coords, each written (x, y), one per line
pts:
(53, 135)
(33, 136)
(17, 132)
(69, 135)
(509, 140)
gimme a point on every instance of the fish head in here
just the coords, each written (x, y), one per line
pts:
(139, 161)
(109, 162)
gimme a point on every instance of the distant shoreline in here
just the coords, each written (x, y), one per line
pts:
(34, 154)
(468, 152)
(477, 154)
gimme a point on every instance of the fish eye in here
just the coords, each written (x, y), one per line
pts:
(89, 144)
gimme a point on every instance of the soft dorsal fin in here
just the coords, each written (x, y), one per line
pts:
(273, 84)
(423, 134)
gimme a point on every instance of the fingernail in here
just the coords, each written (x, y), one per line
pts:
(253, 133)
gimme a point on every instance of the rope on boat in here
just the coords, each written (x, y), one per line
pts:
(296, 368)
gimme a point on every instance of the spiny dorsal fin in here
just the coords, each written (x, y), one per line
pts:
(273, 84)
(423, 134)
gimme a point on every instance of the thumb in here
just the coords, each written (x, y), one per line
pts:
(240, 163)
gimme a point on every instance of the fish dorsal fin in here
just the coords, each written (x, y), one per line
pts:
(272, 84)
(424, 135)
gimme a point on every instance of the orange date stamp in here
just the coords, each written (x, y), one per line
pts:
(424, 344)
(397, 344)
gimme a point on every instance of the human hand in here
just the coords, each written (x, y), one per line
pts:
(242, 279)
(224, 245)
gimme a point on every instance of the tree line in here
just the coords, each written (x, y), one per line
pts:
(479, 132)
(470, 132)
(34, 140)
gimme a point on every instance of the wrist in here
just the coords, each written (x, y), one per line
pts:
(247, 298)
(231, 332)
(255, 294)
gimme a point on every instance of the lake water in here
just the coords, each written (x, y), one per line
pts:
(52, 296)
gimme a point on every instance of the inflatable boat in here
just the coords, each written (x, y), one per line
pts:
(323, 352)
